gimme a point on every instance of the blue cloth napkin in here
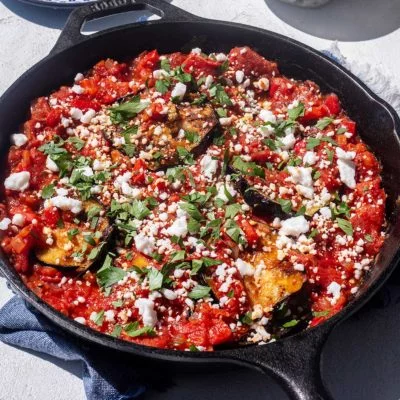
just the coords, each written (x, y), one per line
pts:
(106, 375)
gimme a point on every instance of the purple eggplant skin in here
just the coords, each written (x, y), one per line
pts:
(261, 205)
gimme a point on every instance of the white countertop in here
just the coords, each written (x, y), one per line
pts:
(365, 32)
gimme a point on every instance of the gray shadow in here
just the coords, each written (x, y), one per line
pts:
(344, 20)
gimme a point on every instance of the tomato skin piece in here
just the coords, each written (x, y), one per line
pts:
(139, 176)
(199, 65)
(145, 64)
(333, 104)
(251, 63)
(176, 59)
(263, 156)
(85, 104)
(315, 113)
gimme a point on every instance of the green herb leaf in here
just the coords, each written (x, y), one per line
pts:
(232, 210)
(246, 319)
(324, 122)
(78, 143)
(286, 205)
(296, 112)
(48, 191)
(318, 314)
(116, 331)
(96, 251)
(72, 232)
(192, 210)
(312, 142)
(165, 65)
(345, 226)
(248, 168)
(98, 318)
(192, 136)
(369, 238)
(127, 110)
(108, 275)
(178, 256)
(199, 291)
(155, 279)
(162, 86)
(133, 330)
(139, 209)
(184, 155)
(291, 324)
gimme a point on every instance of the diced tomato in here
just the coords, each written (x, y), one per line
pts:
(249, 231)
(251, 63)
(51, 216)
(333, 104)
(138, 171)
(264, 156)
(198, 65)
(145, 64)
(109, 67)
(315, 113)
(85, 104)
(40, 109)
(90, 86)
(349, 125)
(219, 332)
(53, 117)
(176, 59)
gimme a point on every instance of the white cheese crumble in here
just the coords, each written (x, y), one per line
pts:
(147, 312)
(179, 227)
(301, 175)
(310, 158)
(179, 90)
(18, 181)
(239, 75)
(267, 116)
(51, 165)
(18, 219)
(347, 168)
(208, 166)
(334, 289)
(65, 203)
(4, 223)
(145, 244)
(294, 226)
(87, 117)
(19, 139)
(244, 267)
(221, 192)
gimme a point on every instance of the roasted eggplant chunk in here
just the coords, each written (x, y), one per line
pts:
(77, 245)
(189, 129)
(262, 206)
(273, 282)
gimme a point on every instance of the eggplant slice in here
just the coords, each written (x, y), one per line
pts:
(77, 245)
(188, 128)
(274, 282)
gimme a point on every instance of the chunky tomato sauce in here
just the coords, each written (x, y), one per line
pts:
(189, 201)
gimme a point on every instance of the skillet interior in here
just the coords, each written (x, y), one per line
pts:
(377, 126)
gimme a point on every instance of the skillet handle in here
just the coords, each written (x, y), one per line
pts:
(295, 363)
(71, 33)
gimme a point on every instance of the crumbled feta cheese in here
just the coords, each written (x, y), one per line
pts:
(221, 192)
(4, 224)
(18, 219)
(208, 82)
(262, 84)
(146, 310)
(224, 121)
(159, 73)
(87, 117)
(78, 77)
(78, 89)
(288, 141)
(267, 116)
(310, 158)
(169, 294)
(75, 113)
(179, 227)
(196, 50)
(334, 289)
(19, 139)
(64, 203)
(51, 165)
(145, 244)
(326, 212)
(81, 320)
(18, 181)
(221, 57)
(301, 175)
(179, 90)
(239, 75)
(294, 226)
(208, 166)
(244, 267)
(347, 169)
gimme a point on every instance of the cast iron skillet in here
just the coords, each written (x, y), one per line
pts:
(294, 361)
